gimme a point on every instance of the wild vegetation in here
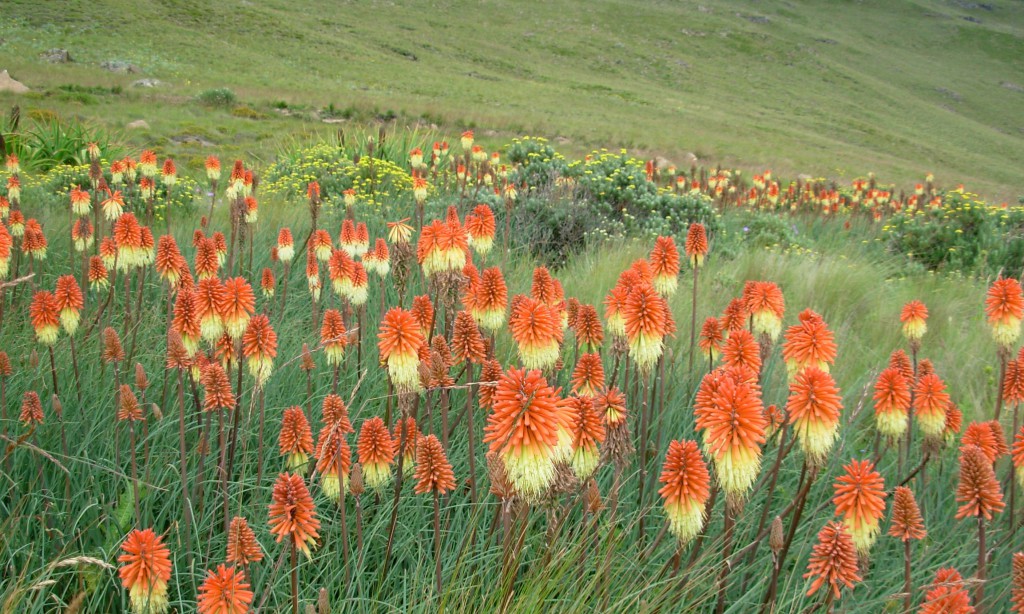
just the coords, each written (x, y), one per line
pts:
(739, 392)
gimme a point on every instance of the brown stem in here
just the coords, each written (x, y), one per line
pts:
(806, 479)
(295, 578)
(259, 446)
(341, 512)
(437, 542)
(398, 488)
(183, 463)
(642, 456)
(907, 594)
(472, 432)
(693, 320)
(1002, 382)
(723, 577)
(135, 474)
(979, 591)
(53, 369)
(74, 364)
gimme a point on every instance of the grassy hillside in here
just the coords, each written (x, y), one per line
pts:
(830, 89)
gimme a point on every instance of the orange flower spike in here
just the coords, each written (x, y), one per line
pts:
(467, 342)
(347, 238)
(259, 346)
(664, 261)
(293, 514)
(480, 228)
(333, 337)
(332, 450)
(268, 284)
(423, 312)
(930, 403)
(813, 408)
(128, 408)
(412, 435)
(732, 417)
(735, 315)
(376, 452)
(224, 591)
(543, 287)
(1017, 597)
(490, 373)
(612, 406)
(70, 301)
(906, 516)
(833, 560)
(588, 329)
(529, 429)
(296, 439)
(686, 489)
(186, 320)
(31, 410)
(243, 549)
(742, 351)
(978, 490)
(45, 317)
(339, 269)
(901, 362)
(948, 595)
(1004, 308)
(914, 318)
(321, 245)
(588, 377)
(1017, 455)
(644, 317)
(167, 260)
(382, 257)
(808, 344)
(1013, 383)
(285, 245)
(588, 431)
(145, 571)
(237, 306)
(429, 251)
(712, 339)
(696, 246)
(210, 294)
(537, 333)
(113, 351)
(217, 387)
(892, 403)
(860, 500)
(766, 305)
(491, 300)
(398, 341)
(980, 434)
(335, 413)
(359, 285)
(433, 471)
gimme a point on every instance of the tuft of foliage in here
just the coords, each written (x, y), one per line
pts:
(536, 163)
(52, 142)
(963, 234)
(217, 97)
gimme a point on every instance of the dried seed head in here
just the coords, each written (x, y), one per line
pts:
(58, 408)
(141, 381)
(323, 602)
(776, 540)
(355, 484)
(593, 498)
(501, 487)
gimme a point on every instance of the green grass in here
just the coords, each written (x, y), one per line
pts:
(840, 273)
(832, 89)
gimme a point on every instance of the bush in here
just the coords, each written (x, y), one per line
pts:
(217, 97)
(962, 234)
(536, 164)
(51, 143)
(765, 230)
(551, 229)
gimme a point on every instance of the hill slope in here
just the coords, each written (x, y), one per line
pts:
(831, 89)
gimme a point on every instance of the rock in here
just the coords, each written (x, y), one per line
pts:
(56, 56)
(334, 120)
(120, 67)
(948, 93)
(662, 163)
(139, 124)
(690, 159)
(191, 139)
(1012, 86)
(804, 177)
(562, 140)
(7, 84)
(147, 83)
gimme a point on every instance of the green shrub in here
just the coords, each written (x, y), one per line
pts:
(217, 97)
(47, 144)
(963, 234)
(766, 230)
(535, 163)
